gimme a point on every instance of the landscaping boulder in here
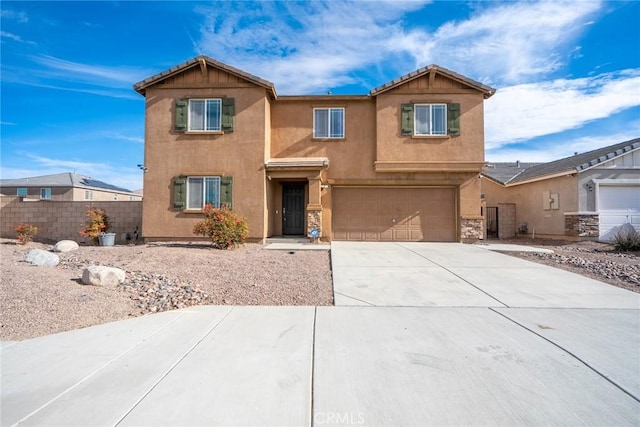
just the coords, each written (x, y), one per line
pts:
(42, 258)
(102, 276)
(626, 231)
(66, 246)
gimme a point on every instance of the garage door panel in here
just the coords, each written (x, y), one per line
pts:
(618, 205)
(394, 214)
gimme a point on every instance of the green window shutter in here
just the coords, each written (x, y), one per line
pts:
(179, 192)
(407, 119)
(453, 119)
(182, 110)
(228, 114)
(226, 191)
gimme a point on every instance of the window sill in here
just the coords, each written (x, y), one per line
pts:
(204, 132)
(430, 136)
(328, 139)
(193, 211)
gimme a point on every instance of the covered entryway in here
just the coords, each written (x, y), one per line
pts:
(394, 214)
(618, 205)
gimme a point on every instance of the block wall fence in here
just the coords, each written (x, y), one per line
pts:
(64, 220)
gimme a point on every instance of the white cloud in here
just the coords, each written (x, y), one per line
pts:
(309, 47)
(522, 112)
(21, 17)
(119, 136)
(511, 42)
(15, 37)
(75, 71)
(334, 42)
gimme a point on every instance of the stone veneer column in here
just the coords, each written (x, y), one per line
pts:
(582, 224)
(314, 208)
(471, 229)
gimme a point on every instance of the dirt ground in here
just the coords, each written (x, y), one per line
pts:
(596, 260)
(38, 301)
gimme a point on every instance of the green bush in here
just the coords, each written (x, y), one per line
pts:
(627, 241)
(222, 226)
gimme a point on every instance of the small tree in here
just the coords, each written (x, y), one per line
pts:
(97, 223)
(222, 226)
(25, 233)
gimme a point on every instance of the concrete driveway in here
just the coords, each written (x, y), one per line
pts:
(519, 346)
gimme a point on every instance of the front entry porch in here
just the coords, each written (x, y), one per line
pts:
(294, 188)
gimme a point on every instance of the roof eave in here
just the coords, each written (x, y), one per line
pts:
(486, 91)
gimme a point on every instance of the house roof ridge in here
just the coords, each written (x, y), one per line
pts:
(488, 91)
(143, 84)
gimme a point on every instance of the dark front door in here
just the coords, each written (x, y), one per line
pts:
(293, 209)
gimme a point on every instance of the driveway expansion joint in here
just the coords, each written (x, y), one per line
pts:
(606, 378)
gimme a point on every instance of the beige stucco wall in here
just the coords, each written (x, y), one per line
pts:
(239, 154)
(283, 128)
(528, 199)
(391, 145)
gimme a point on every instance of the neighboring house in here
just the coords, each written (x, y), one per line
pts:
(401, 163)
(66, 186)
(584, 196)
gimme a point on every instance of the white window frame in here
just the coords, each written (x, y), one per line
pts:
(88, 195)
(215, 203)
(47, 193)
(431, 120)
(329, 123)
(23, 193)
(206, 126)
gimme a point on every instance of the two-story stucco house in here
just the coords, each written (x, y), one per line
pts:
(399, 164)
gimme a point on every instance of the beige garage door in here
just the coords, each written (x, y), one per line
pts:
(394, 214)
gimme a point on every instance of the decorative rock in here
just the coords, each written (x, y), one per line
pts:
(42, 258)
(626, 230)
(66, 246)
(102, 276)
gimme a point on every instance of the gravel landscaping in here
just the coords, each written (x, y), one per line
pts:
(596, 260)
(162, 276)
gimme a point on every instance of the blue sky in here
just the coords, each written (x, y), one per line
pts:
(567, 73)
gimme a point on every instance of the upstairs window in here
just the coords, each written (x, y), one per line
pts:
(22, 192)
(205, 115)
(45, 194)
(328, 122)
(430, 119)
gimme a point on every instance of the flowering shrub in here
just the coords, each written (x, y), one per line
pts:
(97, 223)
(222, 226)
(25, 233)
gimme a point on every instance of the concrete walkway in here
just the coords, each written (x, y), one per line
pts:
(492, 362)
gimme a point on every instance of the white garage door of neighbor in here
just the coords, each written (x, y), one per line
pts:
(618, 205)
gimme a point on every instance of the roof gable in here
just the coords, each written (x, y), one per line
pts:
(431, 76)
(203, 70)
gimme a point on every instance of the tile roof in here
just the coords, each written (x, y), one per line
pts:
(571, 164)
(66, 179)
(486, 90)
(141, 86)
